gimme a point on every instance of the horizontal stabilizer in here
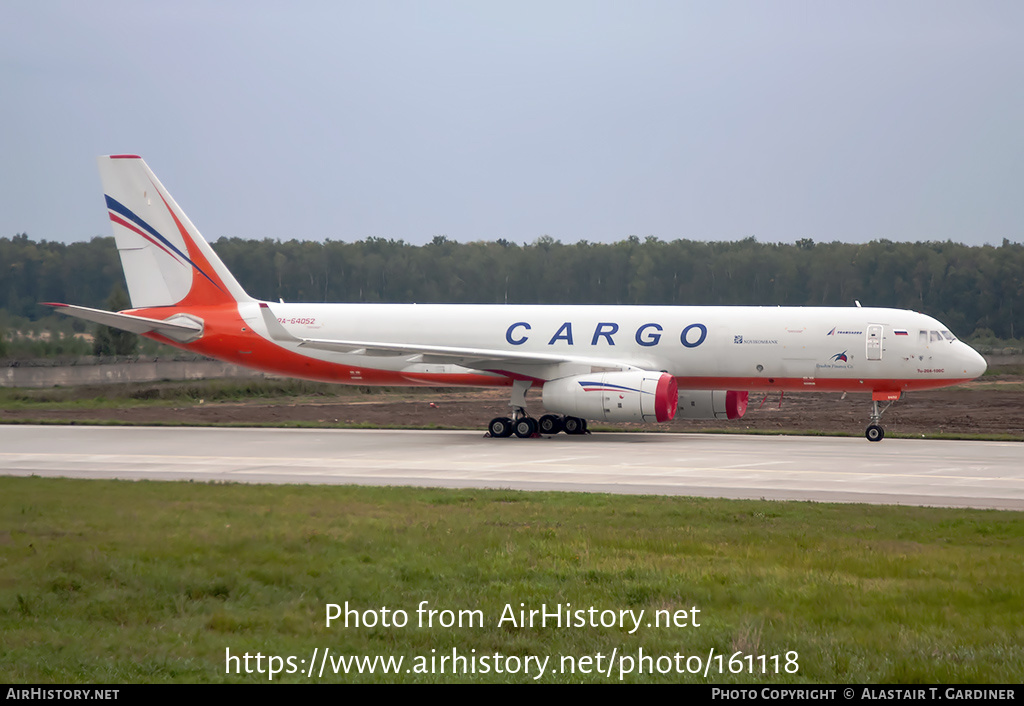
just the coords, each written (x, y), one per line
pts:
(179, 327)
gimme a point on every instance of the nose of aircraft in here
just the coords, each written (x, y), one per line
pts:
(975, 364)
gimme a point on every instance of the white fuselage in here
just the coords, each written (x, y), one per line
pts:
(751, 348)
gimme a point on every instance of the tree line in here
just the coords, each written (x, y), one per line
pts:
(973, 289)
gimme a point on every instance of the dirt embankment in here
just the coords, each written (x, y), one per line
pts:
(980, 408)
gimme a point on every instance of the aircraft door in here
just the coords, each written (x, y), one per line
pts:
(874, 342)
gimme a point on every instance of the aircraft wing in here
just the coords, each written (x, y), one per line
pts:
(476, 358)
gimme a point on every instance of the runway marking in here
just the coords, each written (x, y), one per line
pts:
(902, 471)
(464, 466)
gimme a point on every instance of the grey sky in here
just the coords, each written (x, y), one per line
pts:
(480, 120)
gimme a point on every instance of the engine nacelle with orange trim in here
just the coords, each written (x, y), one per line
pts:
(614, 396)
(712, 404)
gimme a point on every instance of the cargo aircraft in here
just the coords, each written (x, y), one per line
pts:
(607, 363)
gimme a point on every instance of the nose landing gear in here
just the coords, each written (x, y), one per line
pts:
(875, 432)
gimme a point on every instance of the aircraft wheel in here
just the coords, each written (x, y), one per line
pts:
(574, 425)
(550, 424)
(500, 427)
(875, 433)
(525, 427)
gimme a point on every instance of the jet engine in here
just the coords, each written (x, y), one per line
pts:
(712, 404)
(614, 396)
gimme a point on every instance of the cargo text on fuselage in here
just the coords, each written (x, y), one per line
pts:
(605, 333)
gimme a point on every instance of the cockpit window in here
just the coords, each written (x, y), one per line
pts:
(922, 337)
(948, 336)
(936, 336)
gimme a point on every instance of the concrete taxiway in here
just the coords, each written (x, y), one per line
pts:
(895, 471)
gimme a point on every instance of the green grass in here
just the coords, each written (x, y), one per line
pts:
(995, 386)
(1004, 370)
(169, 393)
(110, 581)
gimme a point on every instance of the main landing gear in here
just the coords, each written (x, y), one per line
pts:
(503, 427)
(875, 432)
(524, 426)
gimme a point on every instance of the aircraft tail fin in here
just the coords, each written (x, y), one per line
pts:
(165, 259)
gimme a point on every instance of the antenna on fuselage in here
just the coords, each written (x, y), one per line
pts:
(855, 301)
